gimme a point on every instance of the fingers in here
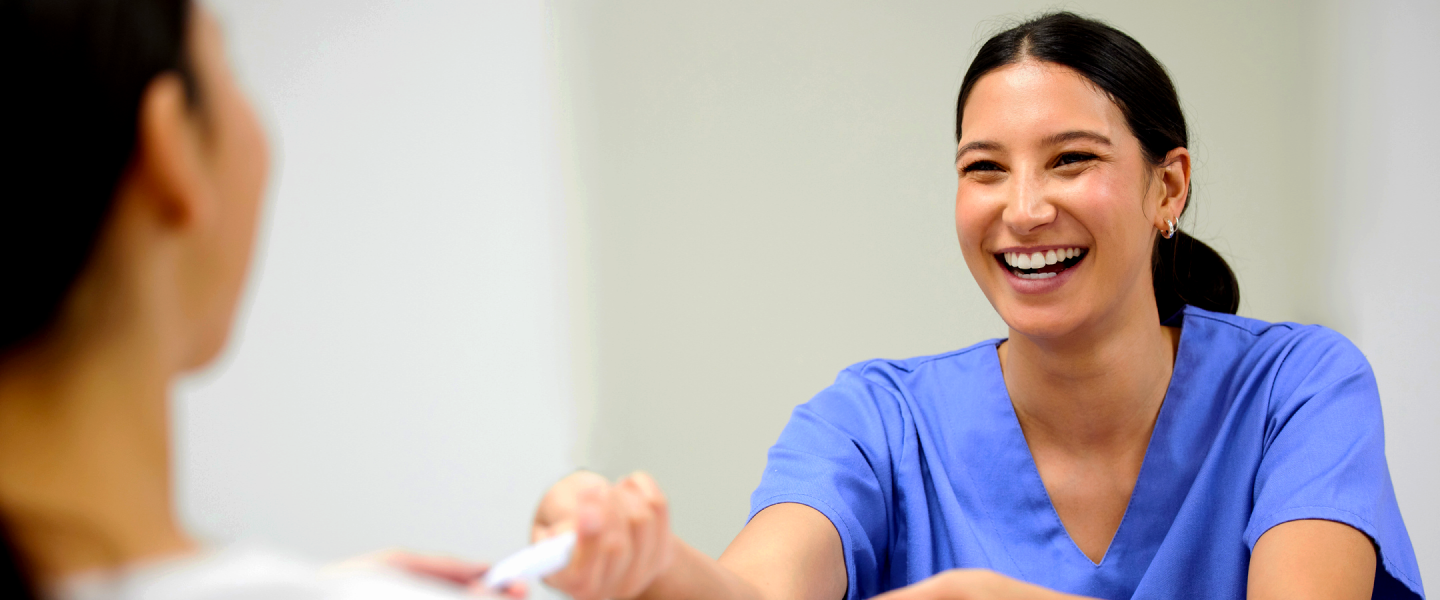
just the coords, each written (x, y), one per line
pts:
(556, 512)
(447, 568)
(516, 590)
(623, 540)
(649, 520)
(603, 545)
(642, 523)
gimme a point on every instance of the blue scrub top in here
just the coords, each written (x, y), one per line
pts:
(921, 466)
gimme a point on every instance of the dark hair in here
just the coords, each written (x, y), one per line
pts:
(1185, 270)
(74, 71)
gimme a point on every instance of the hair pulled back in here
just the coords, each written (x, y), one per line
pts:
(75, 72)
(1184, 269)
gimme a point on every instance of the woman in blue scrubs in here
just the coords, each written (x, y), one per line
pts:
(1131, 438)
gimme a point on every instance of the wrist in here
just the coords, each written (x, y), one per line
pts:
(673, 579)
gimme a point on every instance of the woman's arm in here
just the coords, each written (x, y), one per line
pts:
(625, 548)
(1312, 559)
(786, 551)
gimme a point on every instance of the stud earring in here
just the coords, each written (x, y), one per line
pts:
(1169, 233)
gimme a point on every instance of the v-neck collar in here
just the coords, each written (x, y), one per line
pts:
(1019, 506)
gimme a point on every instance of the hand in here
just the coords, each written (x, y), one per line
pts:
(972, 584)
(623, 534)
(447, 569)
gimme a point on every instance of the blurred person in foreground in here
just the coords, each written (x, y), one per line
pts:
(133, 176)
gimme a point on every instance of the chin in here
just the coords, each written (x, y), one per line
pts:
(202, 357)
(206, 347)
(1051, 321)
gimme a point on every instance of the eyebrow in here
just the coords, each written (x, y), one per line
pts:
(1053, 140)
(977, 145)
(1067, 136)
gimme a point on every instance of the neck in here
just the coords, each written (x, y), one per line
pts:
(84, 443)
(1098, 389)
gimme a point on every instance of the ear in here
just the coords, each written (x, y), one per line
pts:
(168, 166)
(1174, 186)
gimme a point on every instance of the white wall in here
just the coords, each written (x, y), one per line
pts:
(1384, 203)
(400, 375)
(767, 189)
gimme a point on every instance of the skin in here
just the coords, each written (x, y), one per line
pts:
(1047, 160)
(84, 440)
(85, 456)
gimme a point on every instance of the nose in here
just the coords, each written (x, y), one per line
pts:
(1028, 209)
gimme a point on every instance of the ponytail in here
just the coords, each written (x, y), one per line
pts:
(1186, 271)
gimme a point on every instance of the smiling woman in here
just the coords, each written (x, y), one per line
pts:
(1131, 438)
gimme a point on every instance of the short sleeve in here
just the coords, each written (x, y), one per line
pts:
(1324, 456)
(835, 457)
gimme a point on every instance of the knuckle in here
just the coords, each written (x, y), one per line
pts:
(613, 546)
(638, 518)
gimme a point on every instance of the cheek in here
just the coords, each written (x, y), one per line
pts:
(240, 171)
(978, 214)
(1102, 196)
(247, 164)
(975, 214)
(251, 157)
(1110, 205)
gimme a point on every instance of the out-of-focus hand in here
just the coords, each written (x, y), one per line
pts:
(973, 584)
(623, 539)
(447, 569)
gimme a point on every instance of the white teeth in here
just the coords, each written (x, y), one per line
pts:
(1036, 275)
(1037, 260)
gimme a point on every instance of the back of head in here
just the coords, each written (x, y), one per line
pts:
(1184, 269)
(75, 71)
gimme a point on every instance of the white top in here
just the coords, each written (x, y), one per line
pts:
(246, 574)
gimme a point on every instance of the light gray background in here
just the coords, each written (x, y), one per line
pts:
(400, 375)
(507, 238)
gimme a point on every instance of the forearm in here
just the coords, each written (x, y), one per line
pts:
(695, 576)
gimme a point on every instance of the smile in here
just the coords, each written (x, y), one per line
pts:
(1041, 265)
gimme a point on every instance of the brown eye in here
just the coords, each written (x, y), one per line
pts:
(1070, 158)
(980, 165)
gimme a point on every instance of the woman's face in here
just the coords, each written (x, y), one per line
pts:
(234, 165)
(1057, 206)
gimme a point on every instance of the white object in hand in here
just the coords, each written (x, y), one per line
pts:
(535, 562)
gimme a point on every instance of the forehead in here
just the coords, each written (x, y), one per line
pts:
(1032, 99)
